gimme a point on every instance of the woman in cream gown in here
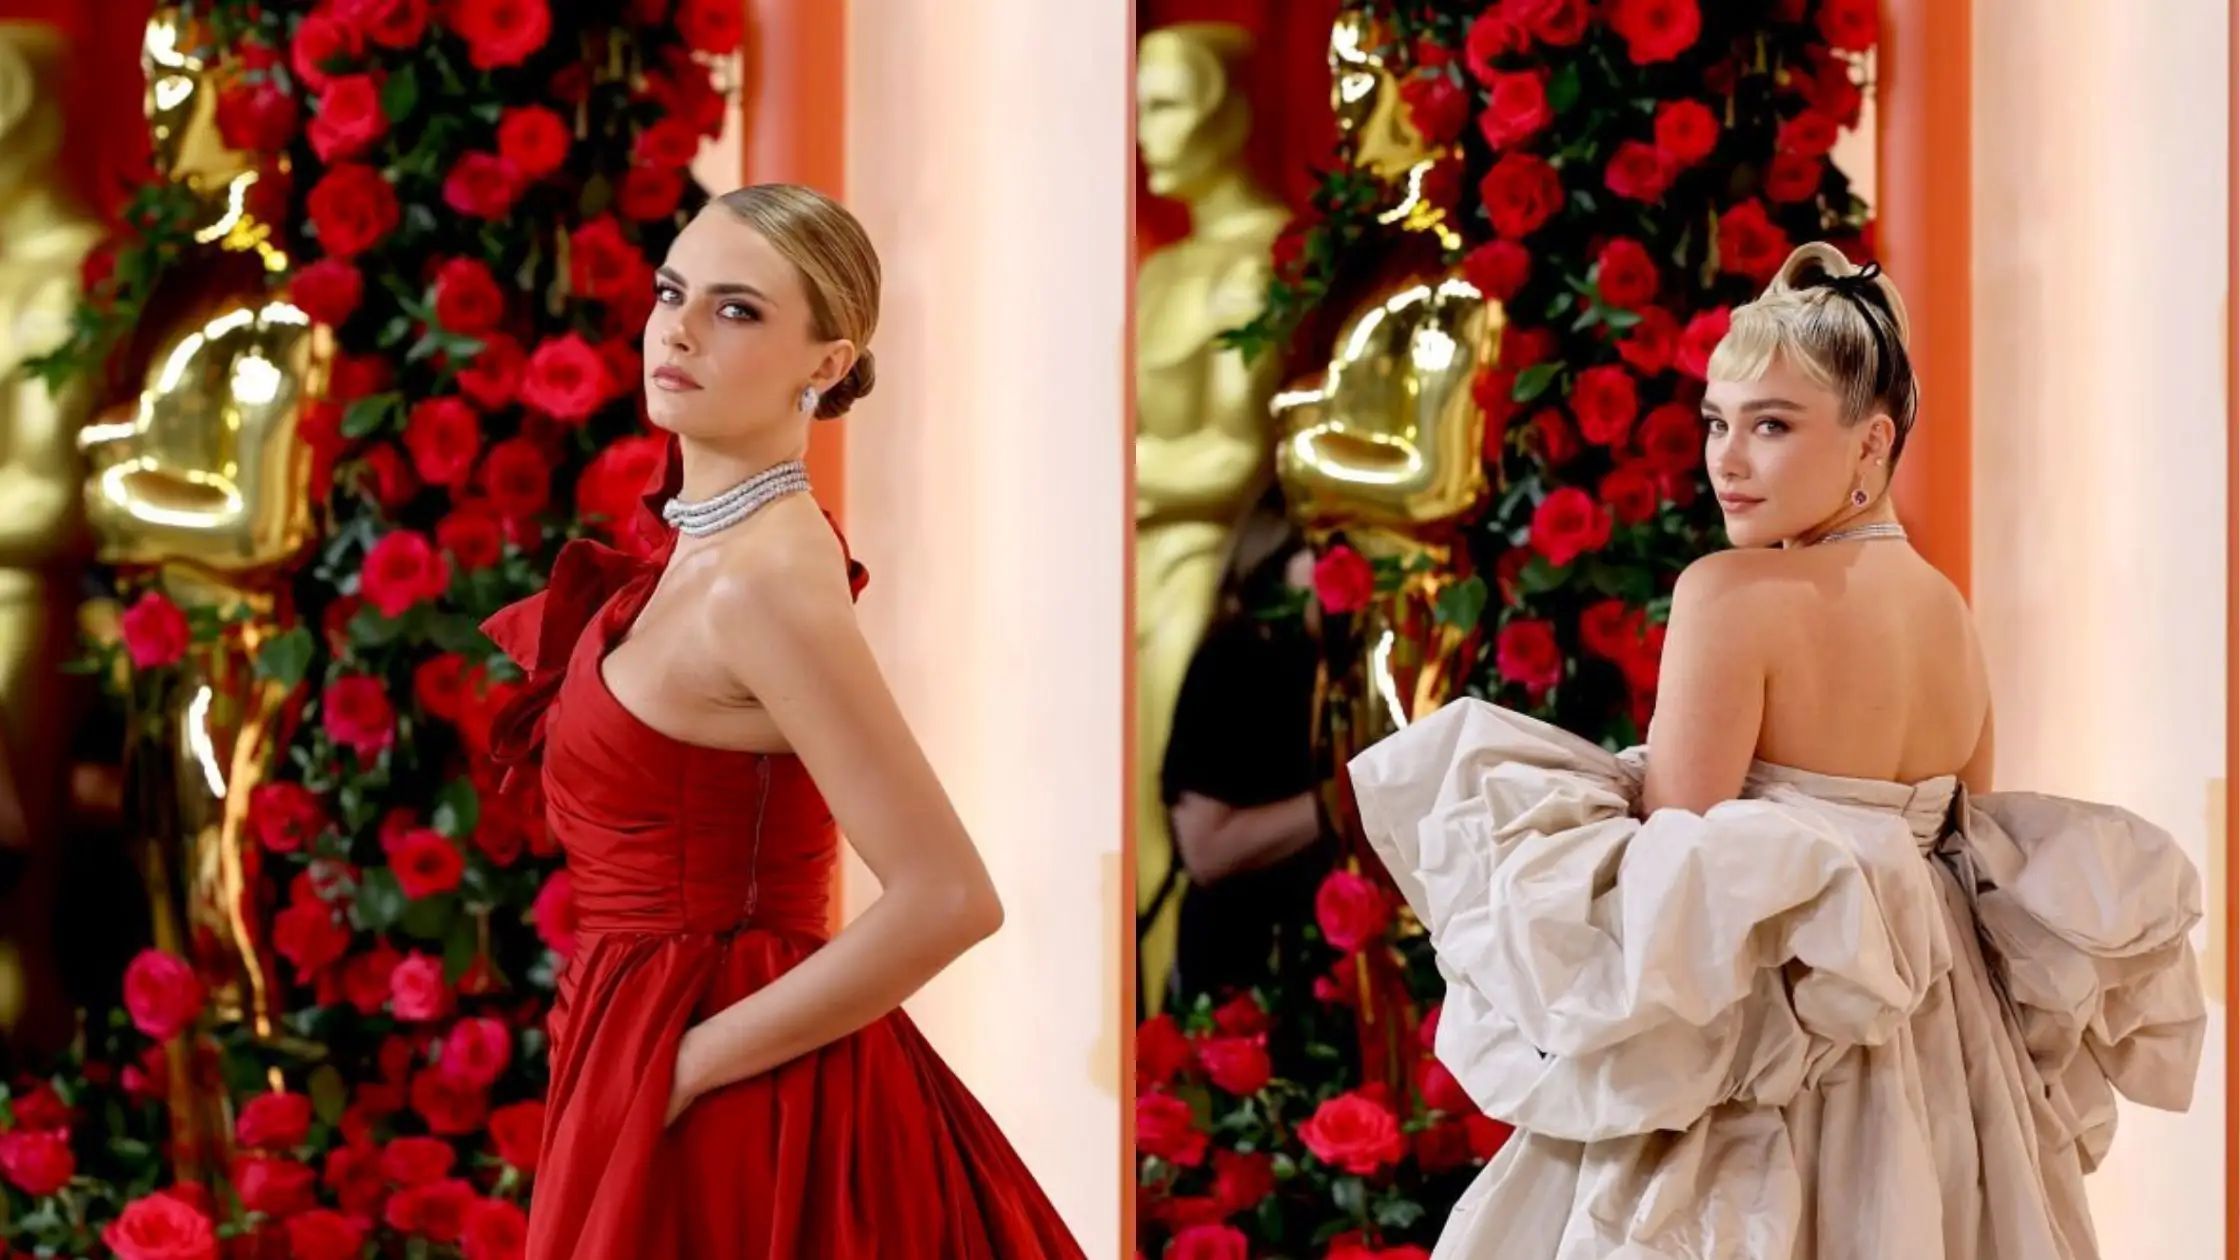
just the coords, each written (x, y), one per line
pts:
(1792, 982)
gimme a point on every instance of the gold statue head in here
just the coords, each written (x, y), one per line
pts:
(1373, 118)
(1192, 119)
(182, 107)
(32, 68)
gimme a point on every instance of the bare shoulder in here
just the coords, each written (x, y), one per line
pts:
(1731, 586)
(784, 582)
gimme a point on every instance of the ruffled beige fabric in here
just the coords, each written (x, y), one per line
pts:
(1837, 1019)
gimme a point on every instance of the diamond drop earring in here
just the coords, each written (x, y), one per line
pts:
(808, 398)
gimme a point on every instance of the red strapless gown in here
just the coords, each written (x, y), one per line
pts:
(699, 875)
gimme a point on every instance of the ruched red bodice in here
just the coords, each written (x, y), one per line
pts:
(699, 875)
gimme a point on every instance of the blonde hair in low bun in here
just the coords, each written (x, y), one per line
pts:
(1855, 348)
(838, 266)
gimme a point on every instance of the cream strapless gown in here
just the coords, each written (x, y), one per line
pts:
(1837, 1019)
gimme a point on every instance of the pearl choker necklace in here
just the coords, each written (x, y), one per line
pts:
(722, 511)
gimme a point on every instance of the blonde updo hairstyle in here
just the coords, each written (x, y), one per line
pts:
(839, 270)
(1843, 326)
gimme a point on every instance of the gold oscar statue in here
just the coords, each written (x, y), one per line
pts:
(45, 237)
(1203, 433)
(200, 482)
(1383, 447)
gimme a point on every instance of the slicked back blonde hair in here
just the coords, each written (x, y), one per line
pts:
(1852, 346)
(838, 267)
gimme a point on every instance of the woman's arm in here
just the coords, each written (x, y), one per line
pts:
(784, 621)
(1218, 840)
(1711, 687)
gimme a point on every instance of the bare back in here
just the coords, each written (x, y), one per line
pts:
(1872, 665)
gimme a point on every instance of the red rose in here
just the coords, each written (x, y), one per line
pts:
(451, 1108)
(1626, 275)
(427, 864)
(275, 1187)
(1521, 192)
(1567, 524)
(352, 208)
(417, 1161)
(1492, 35)
(684, 90)
(1655, 30)
(1829, 87)
(1811, 133)
(1640, 663)
(356, 376)
(476, 1052)
(256, 119)
(667, 145)
(1498, 268)
(1751, 244)
(322, 41)
(566, 379)
(515, 1131)
(443, 435)
(1610, 629)
(37, 1161)
(1553, 438)
(1343, 581)
(1210, 1242)
(1687, 131)
(439, 685)
(1516, 108)
(386, 477)
(493, 376)
(470, 537)
(1522, 347)
(1649, 345)
(1703, 335)
(41, 1108)
(389, 23)
(1605, 401)
(328, 290)
(711, 26)
(496, 1230)
(1639, 172)
(1443, 1146)
(1355, 1133)
(311, 935)
(555, 914)
(1237, 1064)
(1161, 1052)
(1241, 1181)
(1351, 911)
(1241, 1016)
(1851, 25)
(162, 993)
(1630, 492)
(1526, 654)
(1165, 1129)
(324, 1234)
(403, 569)
(350, 119)
(155, 632)
(162, 1226)
(534, 139)
(603, 264)
(285, 816)
(356, 713)
(274, 1122)
(1672, 438)
(482, 186)
(608, 493)
(517, 478)
(1793, 177)
(1494, 390)
(647, 194)
(1442, 1092)
(500, 32)
(1437, 105)
(468, 300)
(436, 1211)
(416, 988)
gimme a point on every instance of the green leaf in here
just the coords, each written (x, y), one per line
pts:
(287, 658)
(330, 1094)
(369, 627)
(1534, 381)
(1351, 1196)
(379, 903)
(1539, 577)
(1563, 88)
(1463, 603)
(1620, 319)
(430, 918)
(488, 111)
(401, 94)
(458, 809)
(366, 416)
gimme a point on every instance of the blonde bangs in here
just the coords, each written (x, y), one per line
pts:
(1760, 333)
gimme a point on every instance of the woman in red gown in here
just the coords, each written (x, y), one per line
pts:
(727, 1084)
